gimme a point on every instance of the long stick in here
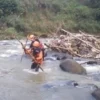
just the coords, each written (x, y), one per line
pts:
(32, 57)
(23, 52)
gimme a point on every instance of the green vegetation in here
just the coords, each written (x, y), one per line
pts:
(44, 16)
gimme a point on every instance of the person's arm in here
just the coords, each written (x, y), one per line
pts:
(40, 56)
(28, 51)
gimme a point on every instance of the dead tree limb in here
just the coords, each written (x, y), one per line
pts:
(88, 44)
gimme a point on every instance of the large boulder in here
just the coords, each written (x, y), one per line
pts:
(72, 66)
(96, 94)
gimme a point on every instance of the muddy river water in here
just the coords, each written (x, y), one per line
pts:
(53, 84)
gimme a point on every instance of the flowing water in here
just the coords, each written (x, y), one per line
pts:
(53, 84)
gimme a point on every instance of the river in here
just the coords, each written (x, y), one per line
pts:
(54, 84)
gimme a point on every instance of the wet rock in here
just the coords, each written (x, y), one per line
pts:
(72, 83)
(60, 83)
(72, 67)
(62, 56)
(92, 62)
(96, 94)
(57, 55)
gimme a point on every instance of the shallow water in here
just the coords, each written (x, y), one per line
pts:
(16, 84)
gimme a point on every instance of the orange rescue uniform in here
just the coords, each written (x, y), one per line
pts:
(39, 57)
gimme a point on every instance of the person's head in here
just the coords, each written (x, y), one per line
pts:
(31, 37)
(36, 44)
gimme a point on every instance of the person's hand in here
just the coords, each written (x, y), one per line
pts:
(28, 51)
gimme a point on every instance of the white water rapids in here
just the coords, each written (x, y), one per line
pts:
(15, 84)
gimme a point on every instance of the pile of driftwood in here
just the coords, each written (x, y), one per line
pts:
(80, 44)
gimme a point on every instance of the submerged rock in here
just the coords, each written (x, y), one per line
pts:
(62, 56)
(60, 83)
(57, 55)
(70, 89)
(96, 94)
(72, 67)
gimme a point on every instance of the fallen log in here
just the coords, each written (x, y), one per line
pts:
(98, 51)
(72, 53)
(81, 45)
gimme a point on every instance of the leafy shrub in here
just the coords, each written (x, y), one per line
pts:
(8, 7)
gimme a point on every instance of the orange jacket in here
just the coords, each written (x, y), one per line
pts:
(39, 57)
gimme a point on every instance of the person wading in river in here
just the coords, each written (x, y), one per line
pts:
(33, 38)
(37, 54)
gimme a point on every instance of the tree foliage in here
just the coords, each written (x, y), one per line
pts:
(93, 3)
(8, 7)
(43, 16)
